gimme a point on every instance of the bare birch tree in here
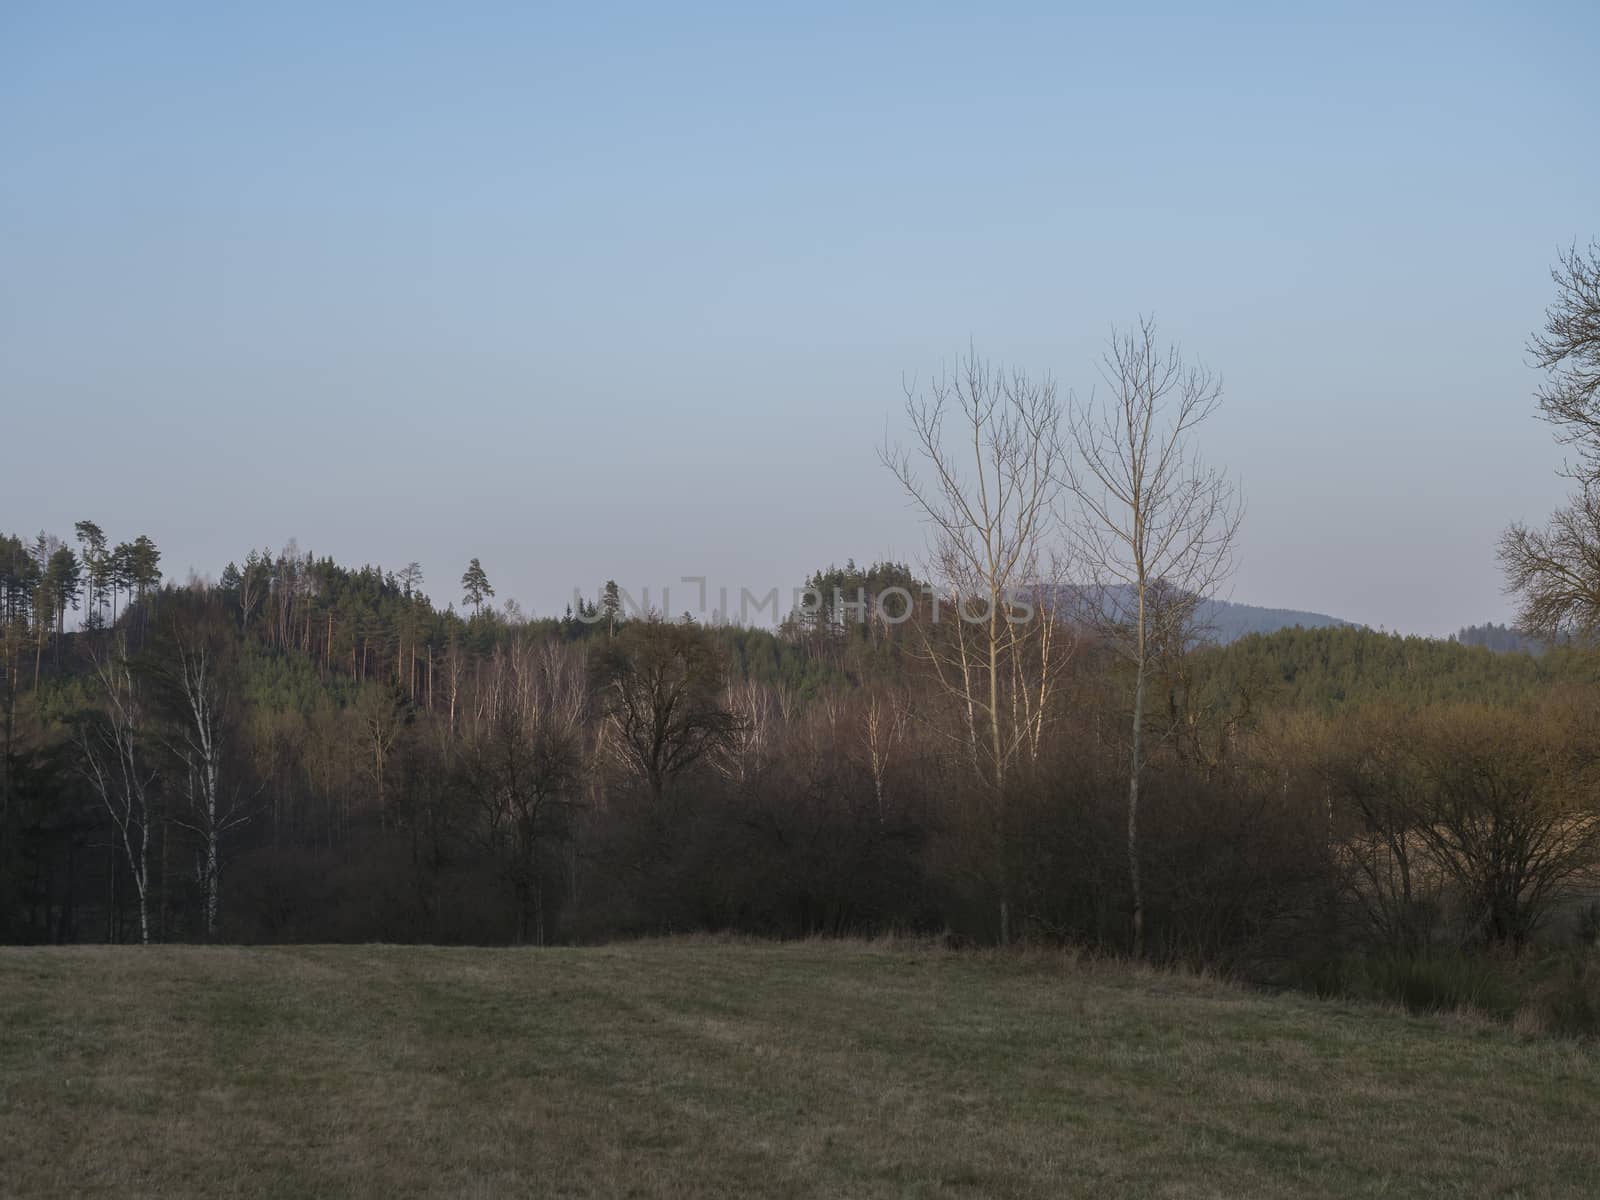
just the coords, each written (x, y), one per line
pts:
(1155, 527)
(379, 714)
(201, 699)
(991, 460)
(758, 711)
(883, 729)
(985, 468)
(112, 761)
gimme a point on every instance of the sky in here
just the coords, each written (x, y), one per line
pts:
(594, 291)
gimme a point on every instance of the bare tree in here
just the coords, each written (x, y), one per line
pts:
(1155, 527)
(254, 581)
(1508, 815)
(758, 711)
(1569, 349)
(1555, 572)
(985, 468)
(380, 715)
(992, 465)
(883, 729)
(660, 688)
(200, 702)
(112, 760)
(523, 765)
(1376, 792)
(454, 670)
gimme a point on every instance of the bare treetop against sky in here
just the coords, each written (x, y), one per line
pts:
(631, 293)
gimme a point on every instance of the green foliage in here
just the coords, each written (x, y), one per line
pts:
(143, 565)
(19, 577)
(1557, 993)
(864, 603)
(280, 682)
(760, 656)
(1500, 638)
(1426, 981)
(1336, 668)
(63, 578)
(475, 585)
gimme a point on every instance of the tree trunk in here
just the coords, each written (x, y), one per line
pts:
(212, 882)
(1136, 766)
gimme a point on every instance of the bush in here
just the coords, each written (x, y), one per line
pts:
(1425, 982)
(1555, 996)
(1563, 998)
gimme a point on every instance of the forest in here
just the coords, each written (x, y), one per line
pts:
(991, 748)
(307, 752)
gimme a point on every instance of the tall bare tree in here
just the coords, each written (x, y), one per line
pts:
(199, 699)
(759, 717)
(380, 715)
(883, 730)
(1155, 526)
(985, 467)
(523, 765)
(112, 759)
(1555, 571)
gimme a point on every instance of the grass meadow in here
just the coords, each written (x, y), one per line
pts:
(706, 1067)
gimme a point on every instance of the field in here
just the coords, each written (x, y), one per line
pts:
(704, 1067)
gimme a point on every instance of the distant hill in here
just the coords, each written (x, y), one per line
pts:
(1222, 621)
(1228, 622)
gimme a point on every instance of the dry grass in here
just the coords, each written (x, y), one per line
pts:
(701, 1067)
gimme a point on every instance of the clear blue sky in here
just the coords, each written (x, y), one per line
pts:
(595, 291)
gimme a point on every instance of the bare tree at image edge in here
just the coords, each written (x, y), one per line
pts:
(1555, 572)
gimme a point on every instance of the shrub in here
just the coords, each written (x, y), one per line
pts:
(1427, 982)
(1563, 999)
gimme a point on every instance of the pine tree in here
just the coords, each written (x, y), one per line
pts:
(475, 586)
(64, 578)
(96, 562)
(612, 603)
(122, 559)
(146, 565)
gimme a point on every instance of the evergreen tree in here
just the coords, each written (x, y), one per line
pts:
(475, 586)
(146, 565)
(96, 562)
(611, 603)
(64, 578)
(121, 574)
(411, 578)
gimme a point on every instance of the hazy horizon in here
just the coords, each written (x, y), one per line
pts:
(633, 297)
